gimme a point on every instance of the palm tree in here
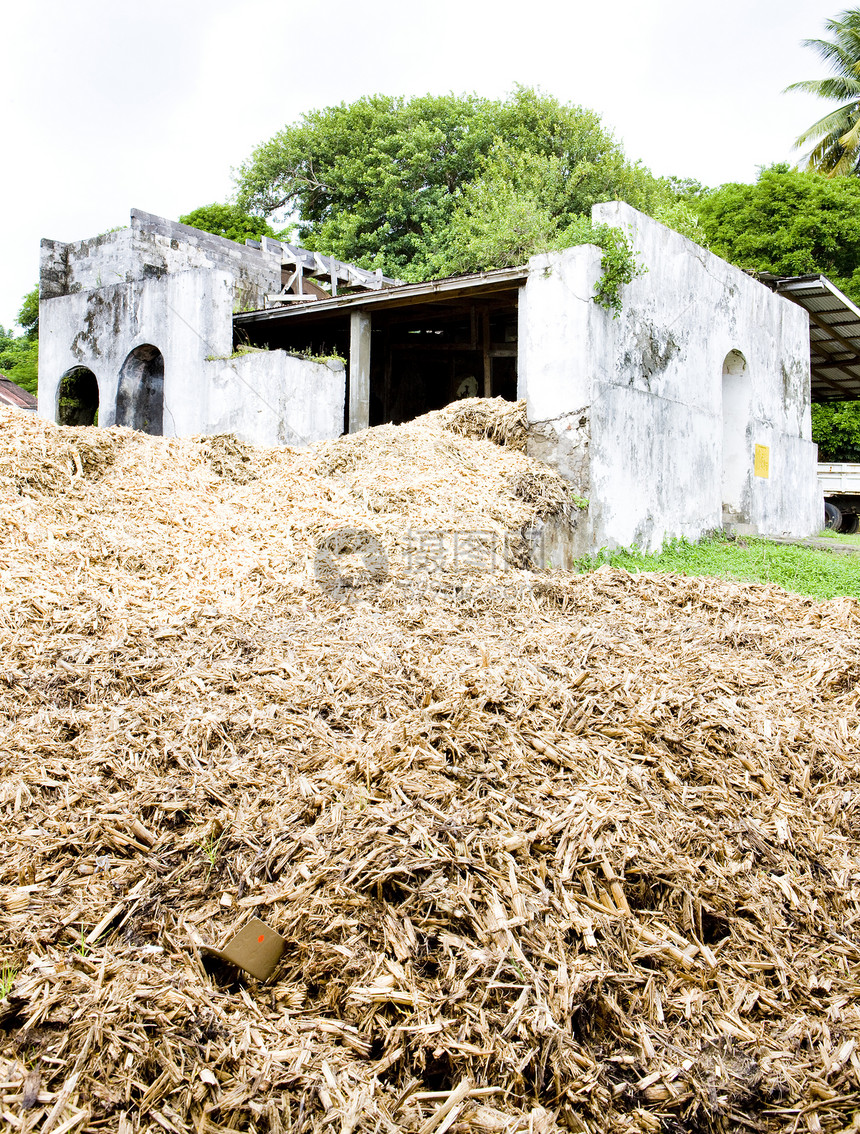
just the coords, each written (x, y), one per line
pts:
(836, 136)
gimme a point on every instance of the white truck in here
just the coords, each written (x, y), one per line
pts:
(840, 484)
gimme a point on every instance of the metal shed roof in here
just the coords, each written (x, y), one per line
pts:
(834, 335)
(452, 287)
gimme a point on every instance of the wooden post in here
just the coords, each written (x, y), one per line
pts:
(359, 371)
(488, 362)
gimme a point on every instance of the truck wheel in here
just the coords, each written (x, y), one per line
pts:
(832, 517)
(850, 524)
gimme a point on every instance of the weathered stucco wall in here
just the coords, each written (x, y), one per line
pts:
(274, 398)
(152, 246)
(646, 392)
(186, 316)
(186, 319)
(553, 376)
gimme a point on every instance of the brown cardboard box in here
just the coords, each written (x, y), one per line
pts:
(256, 948)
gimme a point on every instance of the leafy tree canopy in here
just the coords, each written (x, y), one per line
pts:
(28, 316)
(19, 354)
(229, 221)
(429, 185)
(789, 222)
(794, 223)
(836, 430)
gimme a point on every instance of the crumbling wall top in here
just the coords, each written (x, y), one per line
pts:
(154, 246)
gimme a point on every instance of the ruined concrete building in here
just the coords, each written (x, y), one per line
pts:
(688, 412)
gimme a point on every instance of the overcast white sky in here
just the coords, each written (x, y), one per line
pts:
(109, 104)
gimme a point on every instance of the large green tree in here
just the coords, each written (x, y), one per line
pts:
(403, 184)
(19, 354)
(835, 138)
(524, 201)
(229, 221)
(789, 222)
(836, 430)
(371, 181)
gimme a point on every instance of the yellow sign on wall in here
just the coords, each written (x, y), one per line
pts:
(762, 461)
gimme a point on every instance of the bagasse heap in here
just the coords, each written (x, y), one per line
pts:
(549, 851)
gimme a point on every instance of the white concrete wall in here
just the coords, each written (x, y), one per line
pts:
(265, 397)
(152, 246)
(650, 382)
(554, 330)
(187, 316)
(274, 398)
(99, 261)
(167, 246)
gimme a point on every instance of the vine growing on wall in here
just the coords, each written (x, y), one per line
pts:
(618, 263)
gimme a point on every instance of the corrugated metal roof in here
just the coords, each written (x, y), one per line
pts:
(834, 335)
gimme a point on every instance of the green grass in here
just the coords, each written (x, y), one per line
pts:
(851, 540)
(804, 570)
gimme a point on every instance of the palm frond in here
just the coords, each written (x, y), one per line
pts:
(850, 140)
(836, 123)
(841, 88)
(832, 159)
(837, 135)
(834, 54)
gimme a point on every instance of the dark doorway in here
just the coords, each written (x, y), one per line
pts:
(140, 395)
(78, 401)
(424, 357)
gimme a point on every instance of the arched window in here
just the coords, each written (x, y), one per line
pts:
(140, 394)
(78, 398)
(737, 458)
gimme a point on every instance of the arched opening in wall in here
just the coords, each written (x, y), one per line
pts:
(78, 397)
(737, 462)
(140, 394)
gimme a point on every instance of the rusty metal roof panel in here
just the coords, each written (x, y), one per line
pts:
(11, 394)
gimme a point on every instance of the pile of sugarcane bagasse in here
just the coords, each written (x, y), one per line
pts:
(548, 852)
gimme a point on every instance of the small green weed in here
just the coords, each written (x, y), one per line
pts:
(246, 348)
(210, 846)
(309, 356)
(7, 979)
(239, 352)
